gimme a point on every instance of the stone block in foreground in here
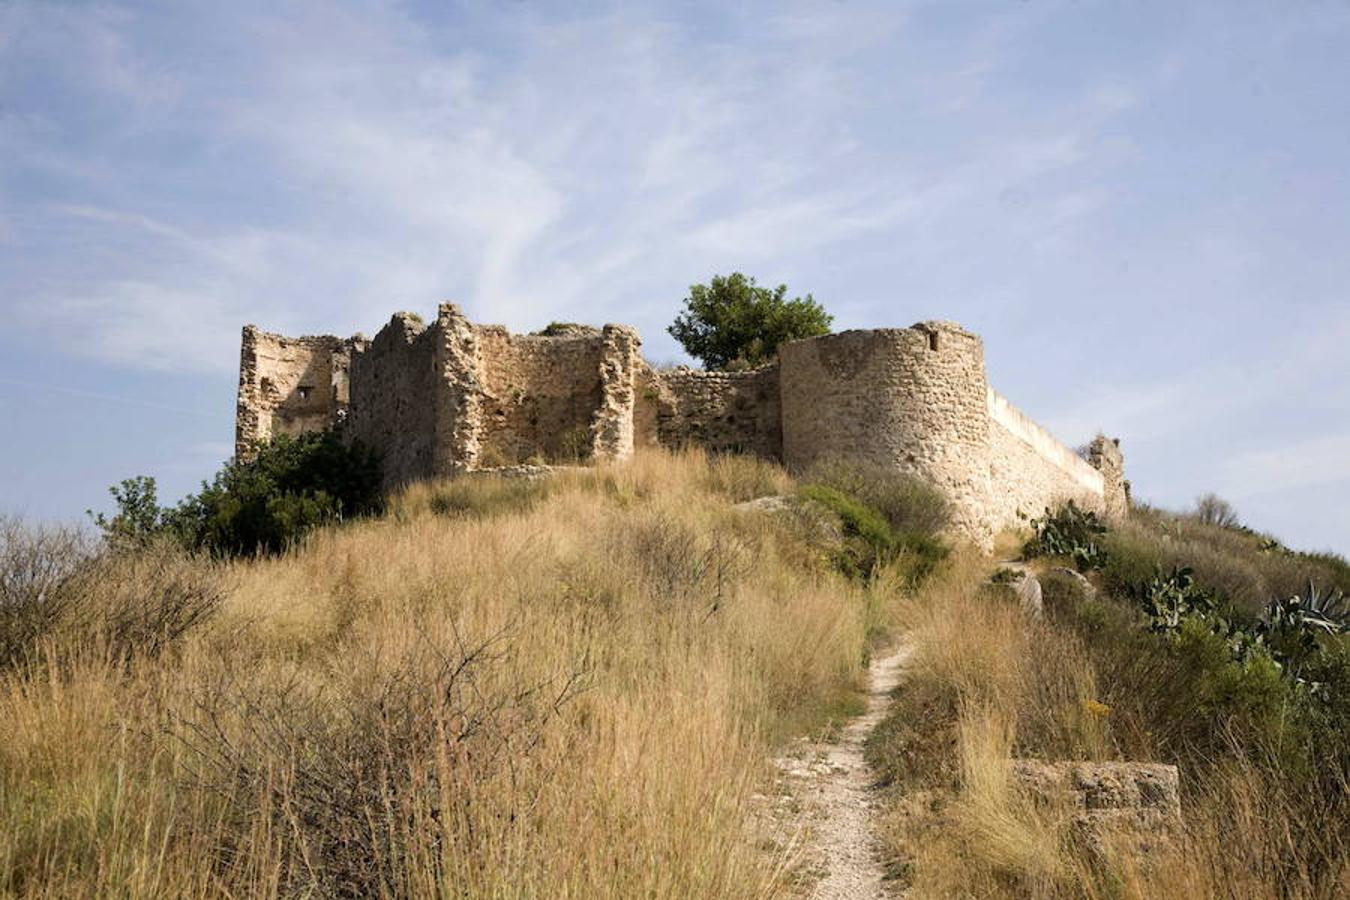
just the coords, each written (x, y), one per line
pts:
(1126, 805)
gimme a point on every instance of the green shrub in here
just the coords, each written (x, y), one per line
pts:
(1296, 628)
(918, 557)
(264, 503)
(566, 329)
(1069, 532)
(858, 519)
(907, 502)
(732, 323)
(870, 541)
(1061, 592)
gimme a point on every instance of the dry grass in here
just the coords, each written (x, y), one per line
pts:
(1234, 563)
(563, 691)
(988, 685)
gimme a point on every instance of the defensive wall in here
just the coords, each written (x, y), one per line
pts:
(448, 396)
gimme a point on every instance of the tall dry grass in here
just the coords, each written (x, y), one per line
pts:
(564, 689)
(987, 685)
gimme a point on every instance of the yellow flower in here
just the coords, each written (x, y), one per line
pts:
(1097, 708)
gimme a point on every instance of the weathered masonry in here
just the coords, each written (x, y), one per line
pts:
(451, 396)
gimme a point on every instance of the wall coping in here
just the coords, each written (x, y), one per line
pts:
(1046, 445)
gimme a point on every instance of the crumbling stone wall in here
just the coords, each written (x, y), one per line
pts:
(394, 385)
(288, 385)
(910, 398)
(540, 394)
(1031, 471)
(453, 397)
(1104, 455)
(612, 427)
(458, 394)
(721, 411)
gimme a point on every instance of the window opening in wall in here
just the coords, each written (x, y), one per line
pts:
(933, 341)
(304, 391)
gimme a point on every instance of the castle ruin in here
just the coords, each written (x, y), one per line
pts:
(452, 396)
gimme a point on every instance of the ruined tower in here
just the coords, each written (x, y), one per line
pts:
(453, 396)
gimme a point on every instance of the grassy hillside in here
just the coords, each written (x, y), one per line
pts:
(1256, 718)
(574, 687)
(566, 688)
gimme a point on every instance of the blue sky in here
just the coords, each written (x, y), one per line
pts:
(1144, 208)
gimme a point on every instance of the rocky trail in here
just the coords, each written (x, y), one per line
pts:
(835, 785)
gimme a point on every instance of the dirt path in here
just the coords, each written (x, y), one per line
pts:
(836, 784)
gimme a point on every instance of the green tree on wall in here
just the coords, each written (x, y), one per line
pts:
(733, 323)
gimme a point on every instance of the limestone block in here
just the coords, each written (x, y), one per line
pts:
(1124, 805)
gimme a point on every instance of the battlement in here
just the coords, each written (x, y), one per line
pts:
(449, 396)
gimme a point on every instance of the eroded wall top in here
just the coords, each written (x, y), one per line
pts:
(435, 399)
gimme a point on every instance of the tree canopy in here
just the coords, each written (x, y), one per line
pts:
(733, 323)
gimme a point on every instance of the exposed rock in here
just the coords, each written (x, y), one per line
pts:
(1029, 595)
(775, 504)
(1026, 586)
(1065, 589)
(1085, 587)
(1124, 805)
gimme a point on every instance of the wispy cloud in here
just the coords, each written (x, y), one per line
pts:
(1322, 461)
(415, 167)
(1142, 211)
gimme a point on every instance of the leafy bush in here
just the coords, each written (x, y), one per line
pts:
(566, 329)
(732, 323)
(1290, 631)
(858, 519)
(139, 517)
(870, 541)
(910, 504)
(1069, 532)
(264, 503)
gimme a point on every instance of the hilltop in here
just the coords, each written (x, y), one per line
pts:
(627, 679)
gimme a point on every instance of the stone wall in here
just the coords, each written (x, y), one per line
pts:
(454, 397)
(1029, 470)
(721, 411)
(908, 398)
(540, 394)
(612, 427)
(1104, 455)
(394, 382)
(288, 385)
